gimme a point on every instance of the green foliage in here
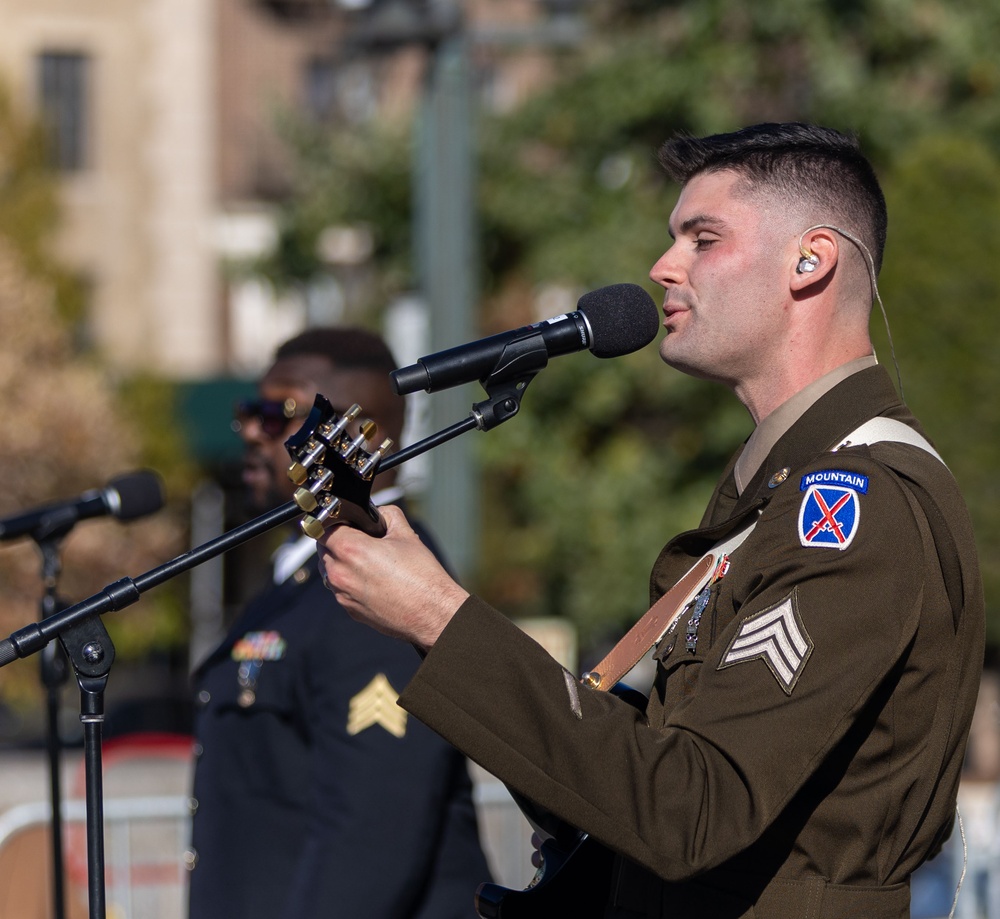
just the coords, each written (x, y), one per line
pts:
(148, 405)
(29, 208)
(941, 289)
(359, 176)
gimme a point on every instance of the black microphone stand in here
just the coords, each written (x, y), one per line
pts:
(48, 535)
(91, 652)
(54, 672)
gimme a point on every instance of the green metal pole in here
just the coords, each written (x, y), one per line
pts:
(446, 252)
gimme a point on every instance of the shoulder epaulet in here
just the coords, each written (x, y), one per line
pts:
(882, 429)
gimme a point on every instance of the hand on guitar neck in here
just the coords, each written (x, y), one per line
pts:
(334, 470)
(392, 583)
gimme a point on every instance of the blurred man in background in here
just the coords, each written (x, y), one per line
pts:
(316, 794)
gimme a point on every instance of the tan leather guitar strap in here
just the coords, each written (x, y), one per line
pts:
(660, 616)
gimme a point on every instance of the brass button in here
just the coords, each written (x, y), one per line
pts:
(204, 697)
(190, 859)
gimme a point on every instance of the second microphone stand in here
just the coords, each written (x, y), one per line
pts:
(54, 672)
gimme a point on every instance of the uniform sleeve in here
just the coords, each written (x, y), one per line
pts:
(381, 779)
(684, 794)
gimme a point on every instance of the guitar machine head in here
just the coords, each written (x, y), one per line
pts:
(334, 470)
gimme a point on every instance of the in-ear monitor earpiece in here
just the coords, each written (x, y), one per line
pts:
(808, 262)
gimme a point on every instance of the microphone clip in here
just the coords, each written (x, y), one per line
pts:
(520, 362)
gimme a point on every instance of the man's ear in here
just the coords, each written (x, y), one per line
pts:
(817, 255)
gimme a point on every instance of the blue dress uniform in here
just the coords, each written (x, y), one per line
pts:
(314, 793)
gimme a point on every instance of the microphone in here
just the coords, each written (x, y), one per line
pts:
(134, 494)
(610, 322)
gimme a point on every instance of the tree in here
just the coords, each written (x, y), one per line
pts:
(941, 294)
(66, 424)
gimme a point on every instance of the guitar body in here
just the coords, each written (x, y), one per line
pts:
(574, 881)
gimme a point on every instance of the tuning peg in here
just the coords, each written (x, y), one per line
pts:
(312, 527)
(331, 431)
(330, 428)
(315, 524)
(368, 430)
(307, 497)
(367, 468)
(312, 452)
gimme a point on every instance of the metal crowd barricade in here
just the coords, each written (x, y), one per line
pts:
(504, 831)
(147, 824)
(147, 817)
(145, 841)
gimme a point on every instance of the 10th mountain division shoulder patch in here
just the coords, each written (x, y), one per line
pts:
(831, 508)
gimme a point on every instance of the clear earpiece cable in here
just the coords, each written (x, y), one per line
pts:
(878, 297)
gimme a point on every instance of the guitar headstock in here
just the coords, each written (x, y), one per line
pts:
(334, 470)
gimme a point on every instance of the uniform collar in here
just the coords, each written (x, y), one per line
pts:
(774, 426)
(851, 402)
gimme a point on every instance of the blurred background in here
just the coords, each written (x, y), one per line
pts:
(184, 184)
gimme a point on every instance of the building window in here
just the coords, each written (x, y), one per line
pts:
(354, 92)
(320, 88)
(62, 80)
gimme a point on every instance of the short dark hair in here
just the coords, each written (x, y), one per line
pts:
(347, 347)
(355, 350)
(803, 161)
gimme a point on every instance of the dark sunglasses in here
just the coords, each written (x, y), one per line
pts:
(272, 416)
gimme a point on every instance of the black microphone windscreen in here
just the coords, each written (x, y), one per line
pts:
(139, 493)
(623, 318)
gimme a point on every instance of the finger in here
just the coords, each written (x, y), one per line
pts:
(395, 520)
(335, 536)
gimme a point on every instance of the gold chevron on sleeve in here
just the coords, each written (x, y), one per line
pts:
(376, 704)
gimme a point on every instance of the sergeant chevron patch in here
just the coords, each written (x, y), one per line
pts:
(376, 704)
(777, 637)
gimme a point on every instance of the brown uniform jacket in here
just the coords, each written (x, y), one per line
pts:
(801, 750)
